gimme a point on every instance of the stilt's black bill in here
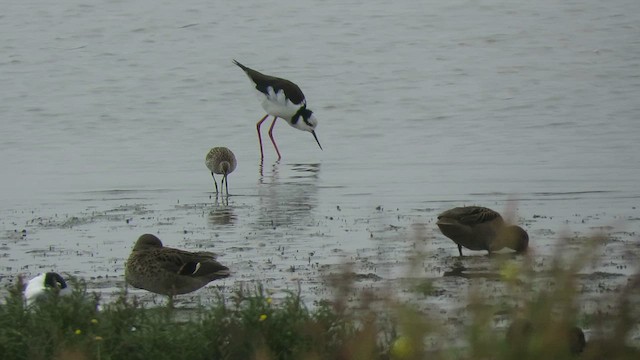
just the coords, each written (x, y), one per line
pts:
(315, 137)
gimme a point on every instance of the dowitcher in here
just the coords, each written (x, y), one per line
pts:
(221, 161)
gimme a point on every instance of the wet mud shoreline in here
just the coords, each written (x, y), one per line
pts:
(384, 250)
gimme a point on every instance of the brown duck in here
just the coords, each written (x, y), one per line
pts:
(480, 228)
(168, 271)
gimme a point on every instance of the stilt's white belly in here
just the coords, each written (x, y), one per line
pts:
(277, 104)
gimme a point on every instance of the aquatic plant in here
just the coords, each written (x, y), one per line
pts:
(251, 325)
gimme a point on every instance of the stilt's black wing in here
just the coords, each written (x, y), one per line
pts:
(263, 82)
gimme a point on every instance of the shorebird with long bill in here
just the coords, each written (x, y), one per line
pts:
(220, 160)
(281, 98)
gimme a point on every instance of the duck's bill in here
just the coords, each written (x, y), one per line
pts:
(315, 137)
(223, 273)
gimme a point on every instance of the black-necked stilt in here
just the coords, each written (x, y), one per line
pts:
(221, 161)
(480, 228)
(281, 99)
(168, 271)
(43, 284)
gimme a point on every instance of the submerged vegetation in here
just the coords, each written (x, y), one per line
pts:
(250, 325)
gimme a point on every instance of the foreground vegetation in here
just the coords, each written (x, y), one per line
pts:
(250, 325)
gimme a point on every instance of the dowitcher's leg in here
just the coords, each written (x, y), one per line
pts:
(271, 136)
(460, 249)
(223, 184)
(226, 183)
(214, 181)
(259, 136)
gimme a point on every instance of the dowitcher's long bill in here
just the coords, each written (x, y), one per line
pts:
(281, 98)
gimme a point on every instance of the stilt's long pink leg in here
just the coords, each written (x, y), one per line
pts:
(259, 136)
(271, 136)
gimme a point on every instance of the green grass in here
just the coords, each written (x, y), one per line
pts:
(249, 325)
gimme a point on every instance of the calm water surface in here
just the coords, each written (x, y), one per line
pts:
(108, 110)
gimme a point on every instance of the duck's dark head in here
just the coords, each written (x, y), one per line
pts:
(147, 241)
(517, 238)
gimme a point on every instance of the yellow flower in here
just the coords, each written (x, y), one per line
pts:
(78, 332)
(263, 317)
(98, 338)
(402, 348)
(510, 271)
(94, 321)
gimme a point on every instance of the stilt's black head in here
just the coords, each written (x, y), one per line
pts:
(304, 120)
(54, 280)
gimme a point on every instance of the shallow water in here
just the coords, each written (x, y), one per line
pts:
(109, 109)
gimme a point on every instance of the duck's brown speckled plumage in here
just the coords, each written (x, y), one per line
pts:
(480, 228)
(169, 271)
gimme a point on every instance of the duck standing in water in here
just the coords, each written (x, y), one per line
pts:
(480, 228)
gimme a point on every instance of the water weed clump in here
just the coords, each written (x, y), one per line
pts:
(49, 327)
(534, 317)
(248, 325)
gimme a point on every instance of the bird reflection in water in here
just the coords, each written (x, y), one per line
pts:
(288, 194)
(222, 215)
(223, 200)
(481, 269)
(459, 270)
(274, 171)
